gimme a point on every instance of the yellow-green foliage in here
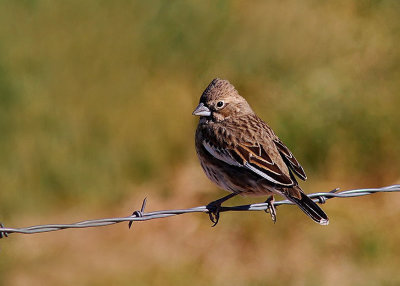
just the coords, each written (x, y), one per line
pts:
(96, 96)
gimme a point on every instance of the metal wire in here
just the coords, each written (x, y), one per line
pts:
(142, 216)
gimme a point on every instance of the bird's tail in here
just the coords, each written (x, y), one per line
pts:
(307, 205)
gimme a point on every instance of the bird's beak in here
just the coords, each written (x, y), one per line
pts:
(202, 110)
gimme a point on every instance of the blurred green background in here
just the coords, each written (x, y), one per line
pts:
(95, 113)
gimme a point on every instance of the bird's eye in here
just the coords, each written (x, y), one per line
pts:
(220, 104)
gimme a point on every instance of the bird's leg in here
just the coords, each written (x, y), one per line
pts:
(215, 206)
(271, 208)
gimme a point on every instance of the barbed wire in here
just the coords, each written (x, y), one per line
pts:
(143, 216)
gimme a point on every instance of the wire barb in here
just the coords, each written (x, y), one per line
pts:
(138, 213)
(3, 233)
(142, 216)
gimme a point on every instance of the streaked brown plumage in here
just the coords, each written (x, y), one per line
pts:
(241, 154)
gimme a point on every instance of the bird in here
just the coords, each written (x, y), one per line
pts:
(241, 154)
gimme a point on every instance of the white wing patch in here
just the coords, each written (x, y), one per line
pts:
(221, 154)
(264, 175)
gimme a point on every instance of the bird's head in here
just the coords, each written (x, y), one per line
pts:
(220, 101)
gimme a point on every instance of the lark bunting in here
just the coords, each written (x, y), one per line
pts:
(241, 154)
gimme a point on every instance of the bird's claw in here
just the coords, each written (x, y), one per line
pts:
(213, 212)
(138, 213)
(271, 208)
(214, 208)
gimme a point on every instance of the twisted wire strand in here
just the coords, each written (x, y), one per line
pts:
(143, 216)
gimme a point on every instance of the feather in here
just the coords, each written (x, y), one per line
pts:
(290, 160)
(253, 158)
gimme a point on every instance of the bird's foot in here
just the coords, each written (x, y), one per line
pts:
(214, 208)
(271, 208)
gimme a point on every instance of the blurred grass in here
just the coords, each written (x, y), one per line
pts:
(96, 100)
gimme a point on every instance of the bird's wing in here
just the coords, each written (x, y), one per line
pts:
(290, 160)
(253, 158)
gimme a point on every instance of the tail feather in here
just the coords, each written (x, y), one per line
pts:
(309, 207)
